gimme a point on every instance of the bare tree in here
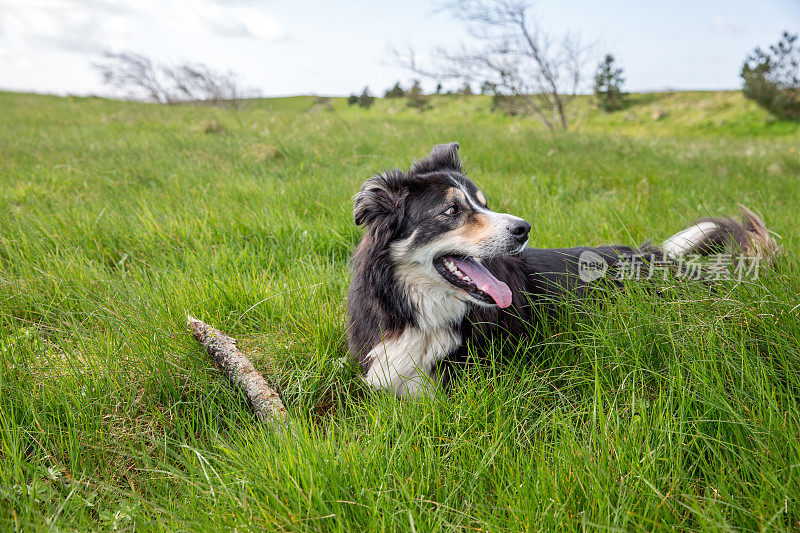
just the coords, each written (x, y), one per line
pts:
(141, 78)
(515, 57)
(196, 82)
(136, 75)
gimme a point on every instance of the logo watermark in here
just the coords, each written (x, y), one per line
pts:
(715, 267)
(591, 266)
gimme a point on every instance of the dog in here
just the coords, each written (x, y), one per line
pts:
(436, 268)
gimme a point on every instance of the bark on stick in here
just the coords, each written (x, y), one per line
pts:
(263, 399)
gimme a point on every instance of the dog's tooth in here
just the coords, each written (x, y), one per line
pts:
(467, 278)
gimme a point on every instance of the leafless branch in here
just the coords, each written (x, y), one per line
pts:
(514, 55)
(264, 400)
(140, 78)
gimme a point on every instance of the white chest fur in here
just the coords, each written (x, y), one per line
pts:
(403, 364)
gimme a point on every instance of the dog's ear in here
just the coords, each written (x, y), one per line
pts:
(380, 205)
(442, 157)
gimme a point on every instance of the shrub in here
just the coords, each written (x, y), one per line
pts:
(416, 98)
(772, 78)
(488, 87)
(608, 82)
(395, 92)
(352, 99)
(323, 102)
(510, 104)
(365, 99)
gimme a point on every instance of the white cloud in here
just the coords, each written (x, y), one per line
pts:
(51, 45)
(726, 25)
(94, 26)
(240, 21)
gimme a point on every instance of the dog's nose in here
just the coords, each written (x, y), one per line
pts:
(520, 231)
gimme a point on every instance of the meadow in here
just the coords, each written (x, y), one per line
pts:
(678, 411)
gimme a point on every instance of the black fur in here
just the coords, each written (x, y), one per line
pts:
(377, 305)
(392, 205)
(443, 157)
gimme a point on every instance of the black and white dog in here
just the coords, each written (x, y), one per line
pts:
(435, 261)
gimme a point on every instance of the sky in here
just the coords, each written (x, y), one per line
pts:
(336, 48)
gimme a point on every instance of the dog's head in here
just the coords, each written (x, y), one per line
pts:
(437, 227)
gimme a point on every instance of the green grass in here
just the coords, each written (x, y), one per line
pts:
(116, 219)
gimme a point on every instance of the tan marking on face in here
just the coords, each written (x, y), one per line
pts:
(481, 198)
(477, 228)
(454, 193)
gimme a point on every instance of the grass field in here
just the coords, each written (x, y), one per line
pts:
(116, 219)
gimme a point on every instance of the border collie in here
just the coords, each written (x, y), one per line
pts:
(435, 265)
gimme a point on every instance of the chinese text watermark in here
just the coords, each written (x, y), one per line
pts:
(715, 267)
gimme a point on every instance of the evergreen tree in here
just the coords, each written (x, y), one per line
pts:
(395, 92)
(365, 99)
(416, 98)
(772, 79)
(608, 82)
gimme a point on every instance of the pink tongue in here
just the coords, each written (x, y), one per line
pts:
(485, 281)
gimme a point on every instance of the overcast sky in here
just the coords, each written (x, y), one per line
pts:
(334, 48)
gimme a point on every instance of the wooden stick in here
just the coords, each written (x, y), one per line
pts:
(262, 398)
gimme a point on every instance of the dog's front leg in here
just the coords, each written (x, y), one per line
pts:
(399, 367)
(399, 375)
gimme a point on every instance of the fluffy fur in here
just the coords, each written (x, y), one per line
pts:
(749, 237)
(435, 265)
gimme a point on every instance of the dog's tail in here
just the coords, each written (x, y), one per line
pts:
(750, 238)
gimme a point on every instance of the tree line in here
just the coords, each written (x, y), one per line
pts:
(527, 70)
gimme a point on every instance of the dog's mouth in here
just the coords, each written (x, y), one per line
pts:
(472, 277)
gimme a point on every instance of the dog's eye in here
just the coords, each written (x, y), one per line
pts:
(452, 210)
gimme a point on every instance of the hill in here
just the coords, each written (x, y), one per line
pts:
(677, 410)
(696, 113)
